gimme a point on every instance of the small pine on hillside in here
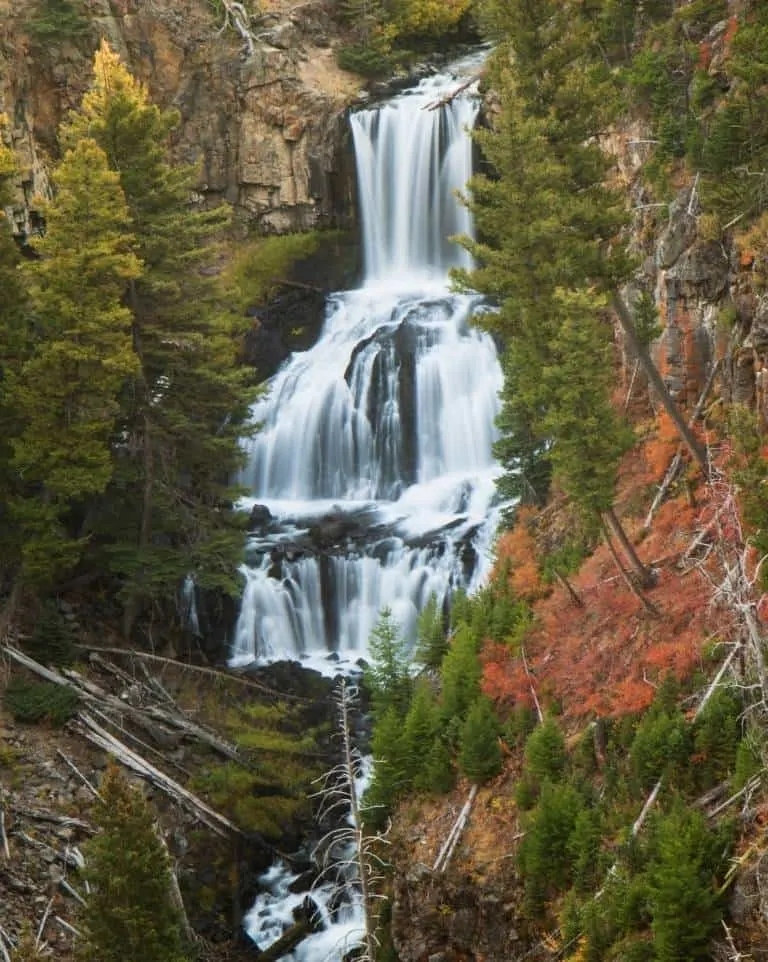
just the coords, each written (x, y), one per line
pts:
(130, 915)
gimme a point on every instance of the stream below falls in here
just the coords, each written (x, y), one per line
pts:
(372, 476)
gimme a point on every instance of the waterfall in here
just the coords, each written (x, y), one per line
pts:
(372, 477)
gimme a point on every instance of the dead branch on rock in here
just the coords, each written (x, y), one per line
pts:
(71, 765)
(41, 929)
(4, 837)
(71, 857)
(199, 669)
(67, 927)
(42, 816)
(750, 787)
(238, 18)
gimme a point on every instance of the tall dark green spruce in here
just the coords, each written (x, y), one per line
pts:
(546, 221)
(129, 915)
(168, 511)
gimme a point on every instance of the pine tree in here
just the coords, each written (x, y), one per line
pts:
(419, 728)
(14, 343)
(67, 391)
(545, 754)
(684, 903)
(390, 768)
(438, 775)
(460, 674)
(479, 750)
(432, 639)
(168, 511)
(130, 915)
(547, 221)
(388, 675)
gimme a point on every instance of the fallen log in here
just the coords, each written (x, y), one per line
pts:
(301, 928)
(147, 718)
(200, 669)
(446, 852)
(41, 816)
(89, 729)
(445, 101)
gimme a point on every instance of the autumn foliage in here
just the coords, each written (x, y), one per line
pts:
(608, 657)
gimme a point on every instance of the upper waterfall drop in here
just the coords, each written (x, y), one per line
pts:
(373, 460)
(411, 155)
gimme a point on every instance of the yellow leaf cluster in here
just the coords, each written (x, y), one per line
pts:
(430, 16)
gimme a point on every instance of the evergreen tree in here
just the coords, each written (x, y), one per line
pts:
(14, 345)
(130, 915)
(545, 754)
(432, 639)
(684, 902)
(390, 768)
(479, 750)
(66, 392)
(544, 851)
(438, 775)
(460, 674)
(547, 222)
(419, 728)
(168, 511)
(388, 674)
(589, 438)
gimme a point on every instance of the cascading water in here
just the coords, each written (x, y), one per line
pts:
(373, 470)
(372, 475)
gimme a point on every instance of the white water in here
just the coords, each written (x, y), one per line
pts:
(384, 430)
(386, 424)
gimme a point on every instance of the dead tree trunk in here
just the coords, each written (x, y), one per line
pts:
(644, 575)
(649, 606)
(652, 373)
(572, 593)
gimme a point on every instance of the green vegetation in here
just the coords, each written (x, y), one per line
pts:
(130, 877)
(479, 751)
(52, 641)
(121, 404)
(57, 22)
(36, 701)
(258, 265)
(388, 33)
(268, 792)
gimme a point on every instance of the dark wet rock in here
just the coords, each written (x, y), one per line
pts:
(702, 271)
(293, 319)
(260, 518)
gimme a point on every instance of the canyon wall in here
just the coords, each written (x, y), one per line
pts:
(266, 130)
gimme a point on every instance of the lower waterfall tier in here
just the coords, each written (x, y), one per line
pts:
(372, 475)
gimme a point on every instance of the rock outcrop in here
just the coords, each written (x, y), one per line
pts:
(266, 131)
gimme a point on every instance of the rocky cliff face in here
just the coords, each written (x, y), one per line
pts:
(703, 288)
(266, 129)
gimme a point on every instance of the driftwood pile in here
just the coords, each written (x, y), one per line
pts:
(148, 707)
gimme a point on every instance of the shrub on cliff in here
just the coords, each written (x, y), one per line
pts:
(36, 701)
